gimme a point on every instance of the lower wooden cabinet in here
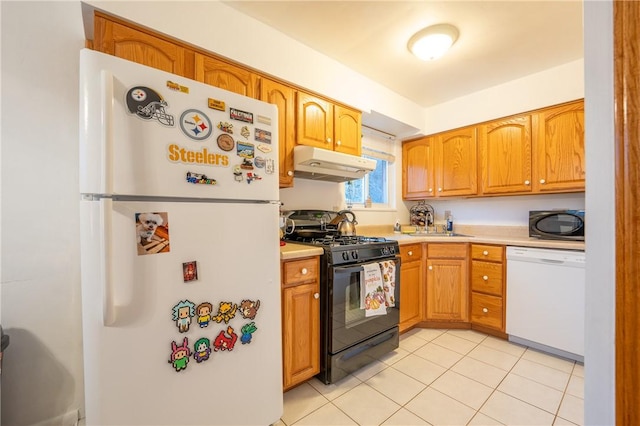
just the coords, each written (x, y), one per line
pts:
(447, 297)
(300, 320)
(411, 285)
(488, 287)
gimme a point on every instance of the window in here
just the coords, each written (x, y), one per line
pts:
(378, 184)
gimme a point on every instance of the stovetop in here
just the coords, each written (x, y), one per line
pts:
(342, 250)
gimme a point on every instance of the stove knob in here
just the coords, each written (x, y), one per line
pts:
(354, 254)
(392, 250)
(345, 255)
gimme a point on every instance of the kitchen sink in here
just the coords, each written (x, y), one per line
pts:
(439, 234)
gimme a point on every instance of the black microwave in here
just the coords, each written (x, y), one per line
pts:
(557, 224)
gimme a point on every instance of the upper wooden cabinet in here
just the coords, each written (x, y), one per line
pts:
(442, 165)
(505, 155)
(559, 148)
(226, 76)
(284, 97)
(417, 169)
(322, 124)
(141, 47)
(456, 163)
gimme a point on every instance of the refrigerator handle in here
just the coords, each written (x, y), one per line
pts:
(106, 82)
(108, 309)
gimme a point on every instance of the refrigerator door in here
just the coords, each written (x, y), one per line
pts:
(142, 299)
(145, 132)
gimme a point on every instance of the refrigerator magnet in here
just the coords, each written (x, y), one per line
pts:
(237, 173)
(247, 331)
(269, 166)
(195, 124)
(246, 164)
(200, 179)
(177, 87)
(249, 308)
(225, 142)
(152, 232)
(225, 341)
(244, 132)
(216, 104)
(245, 150)
(202, 349)
(226, 127)
(147, 104)
(264, 148)
(264, 120)
(259, 162)
(226, 312)
(190, 271)
(263, 136)
(252, 176)
(236, 114)
(182, 312)
(180, 355)
(203, 311)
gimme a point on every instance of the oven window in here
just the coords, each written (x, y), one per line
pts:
(354, 306)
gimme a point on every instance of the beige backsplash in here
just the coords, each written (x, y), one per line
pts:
(493, 230)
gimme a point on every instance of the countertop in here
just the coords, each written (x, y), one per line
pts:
(501, 235)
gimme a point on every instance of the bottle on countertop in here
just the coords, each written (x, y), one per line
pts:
(396, 227)
(449, 218)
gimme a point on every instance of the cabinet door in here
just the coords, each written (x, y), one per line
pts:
(226, 76)
(301, 333)
(417, 169)
(456, 164)
(314, 121)
(284, 97)
(505, 156)
(447, 290)
(138, 46)
(560, 149)
(410, 294)
(348, 130)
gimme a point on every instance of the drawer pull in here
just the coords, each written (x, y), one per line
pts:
(304, 271)
(485, 310)
(410, 253)
(430, 268)
(316, 295)
(486, 278)
(486, 253)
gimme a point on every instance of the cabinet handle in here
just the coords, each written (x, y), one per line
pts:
(430, 189)
(304, 271)
(290, 173)
(410, 253)
(485, 310)
(484, 277)
(328, 140)
(430, 267)
(316, 295)
(542, 181)
(338, 143)
(439, 189)
(486, 253)
(526, 182)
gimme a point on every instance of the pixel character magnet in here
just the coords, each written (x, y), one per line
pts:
(204, 314)
(226, 312)
(202, 349)
(249, 309)
(225, 342)
(247, 331)
(180, 355)
(183, 311)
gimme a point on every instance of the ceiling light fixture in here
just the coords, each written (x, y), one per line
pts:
(432, 42)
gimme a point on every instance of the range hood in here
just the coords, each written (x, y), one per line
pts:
(321, 164)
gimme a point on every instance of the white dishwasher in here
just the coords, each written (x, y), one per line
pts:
(545, 300)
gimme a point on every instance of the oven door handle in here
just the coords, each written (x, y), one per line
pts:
(359, 267)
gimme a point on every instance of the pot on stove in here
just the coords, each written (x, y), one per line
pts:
(346, 225)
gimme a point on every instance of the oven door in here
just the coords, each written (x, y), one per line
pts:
(349, 325)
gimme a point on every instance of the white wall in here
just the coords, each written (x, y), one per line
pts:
(42, 367)
(599, 398)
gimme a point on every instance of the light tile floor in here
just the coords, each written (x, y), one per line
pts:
(447, 377)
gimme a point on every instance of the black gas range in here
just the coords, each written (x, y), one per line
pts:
(349, 337)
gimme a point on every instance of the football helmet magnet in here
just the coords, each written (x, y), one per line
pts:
(147, 104)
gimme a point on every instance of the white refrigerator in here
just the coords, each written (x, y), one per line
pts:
(179, 250)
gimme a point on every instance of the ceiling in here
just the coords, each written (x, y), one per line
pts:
(499, 40)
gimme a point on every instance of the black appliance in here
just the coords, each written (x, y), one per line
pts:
(557, 224)
(348, 339)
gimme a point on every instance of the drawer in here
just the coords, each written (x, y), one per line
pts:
(410, 252)
(487, 277)
(487, 252)
(447, 250)
(300, 271)
(487, 310)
